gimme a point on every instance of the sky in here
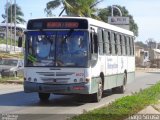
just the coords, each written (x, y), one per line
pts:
(144, 12)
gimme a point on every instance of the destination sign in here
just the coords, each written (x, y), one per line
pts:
(57, 23)
(62, 24)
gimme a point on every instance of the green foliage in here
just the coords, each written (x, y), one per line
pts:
(141, 44)
(71, 7)
(8, 79)
(87, 8)
(124, 107)
(8, 55)
(11, 15)
(3, 41)
(105, 12)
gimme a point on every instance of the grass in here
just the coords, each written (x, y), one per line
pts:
(124, 107)
(8, 55)
(3, 41)
(11, 79)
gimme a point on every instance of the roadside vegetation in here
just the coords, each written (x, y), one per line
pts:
(3, 41)
(8, 55)
(124, 107)
(18, 80)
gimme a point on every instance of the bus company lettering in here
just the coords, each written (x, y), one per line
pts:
(111, 66)
(79, 74)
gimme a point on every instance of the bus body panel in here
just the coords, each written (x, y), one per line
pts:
(57, 80)
(75, 88)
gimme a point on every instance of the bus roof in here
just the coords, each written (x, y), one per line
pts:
(109, 26)
(93, 22)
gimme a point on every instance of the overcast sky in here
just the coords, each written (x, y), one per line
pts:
(146, 13)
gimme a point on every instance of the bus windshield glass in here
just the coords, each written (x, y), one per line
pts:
(62, 48)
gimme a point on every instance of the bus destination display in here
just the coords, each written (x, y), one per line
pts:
(62, 24)
(57, 24)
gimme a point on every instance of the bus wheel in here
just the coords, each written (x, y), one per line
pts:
(44, 96)
(122, 88)
(97, 96)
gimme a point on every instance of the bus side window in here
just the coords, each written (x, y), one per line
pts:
(125, 41)
(132, 40)
(123, 45)
(128, 46)
(100, 41)
(95, 43)
(113, 43)
(133, 44)
(119, 45)
(106, 42)
(110, 44)
(91, 44)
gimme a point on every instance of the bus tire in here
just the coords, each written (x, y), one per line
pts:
(44, 96)
(98, 95)
(122, 88)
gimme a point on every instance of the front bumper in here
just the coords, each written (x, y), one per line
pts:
(76, 88)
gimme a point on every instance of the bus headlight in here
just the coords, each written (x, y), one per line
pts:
(29, 79)
(35, 79)
(87, 80)
(75, 80)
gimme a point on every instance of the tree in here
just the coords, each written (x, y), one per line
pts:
(11, 15)
(141, 44)
(151, 43)
(74, 7)
(105, 12)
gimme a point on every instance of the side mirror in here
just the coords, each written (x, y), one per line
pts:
(20, 42)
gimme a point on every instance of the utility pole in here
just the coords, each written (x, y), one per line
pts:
(15, 25)
(7, 26)
(11, 27)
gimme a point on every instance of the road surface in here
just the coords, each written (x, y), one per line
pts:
(14, 101)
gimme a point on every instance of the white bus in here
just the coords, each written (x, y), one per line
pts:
(77, 55)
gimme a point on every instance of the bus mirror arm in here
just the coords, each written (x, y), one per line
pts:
(20, 41)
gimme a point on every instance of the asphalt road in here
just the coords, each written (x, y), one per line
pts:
(14, 101)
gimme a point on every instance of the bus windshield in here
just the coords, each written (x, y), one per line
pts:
(62, 48)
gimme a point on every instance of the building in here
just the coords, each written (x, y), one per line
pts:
(142, 56)
(11, 28)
